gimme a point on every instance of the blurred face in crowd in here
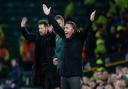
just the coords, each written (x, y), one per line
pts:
(100, 82)
(43, 30)
(118, 70)
(109, 86)
(125, 70)
(105, 75)
(85, 87)
(68, 30)
(92, 84)
(13, 62)
(60, 22)
(98, 75)
(85, 80)
(120, 84)
(100, 87)
(112, 78)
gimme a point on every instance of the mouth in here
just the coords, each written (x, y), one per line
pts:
(66, 33)
(40, 32)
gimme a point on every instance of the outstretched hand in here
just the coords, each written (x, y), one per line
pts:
(46, 9)
(24, 22)
(92, 16)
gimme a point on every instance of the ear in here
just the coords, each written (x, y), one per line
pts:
(73, 30)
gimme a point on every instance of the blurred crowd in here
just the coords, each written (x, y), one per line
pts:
(13, 77)
(103, 79)
(100, 79)
(107, 40)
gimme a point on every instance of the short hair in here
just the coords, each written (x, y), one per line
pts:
(59, 17)
(73, 24)
(45, 22)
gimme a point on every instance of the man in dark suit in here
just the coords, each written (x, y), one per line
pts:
(43, 68)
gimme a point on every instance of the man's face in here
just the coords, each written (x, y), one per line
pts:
(68, 30)
(60, 22)
(42, 29)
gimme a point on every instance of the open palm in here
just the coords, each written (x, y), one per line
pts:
(46, 9)
(24, 21)
(92, 16)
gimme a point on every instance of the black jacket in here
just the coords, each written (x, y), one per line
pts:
(44, 47)
(71, 55)
(15, 74)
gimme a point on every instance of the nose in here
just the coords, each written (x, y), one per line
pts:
(64, 29)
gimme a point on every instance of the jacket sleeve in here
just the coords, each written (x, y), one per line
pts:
(83, 34)
(56, 26)
(28, 36)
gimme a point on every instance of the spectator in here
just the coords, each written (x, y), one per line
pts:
(15, 74)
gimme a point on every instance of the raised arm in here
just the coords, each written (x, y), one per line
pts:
(83, 33)
(24, 31)
(54, 23)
